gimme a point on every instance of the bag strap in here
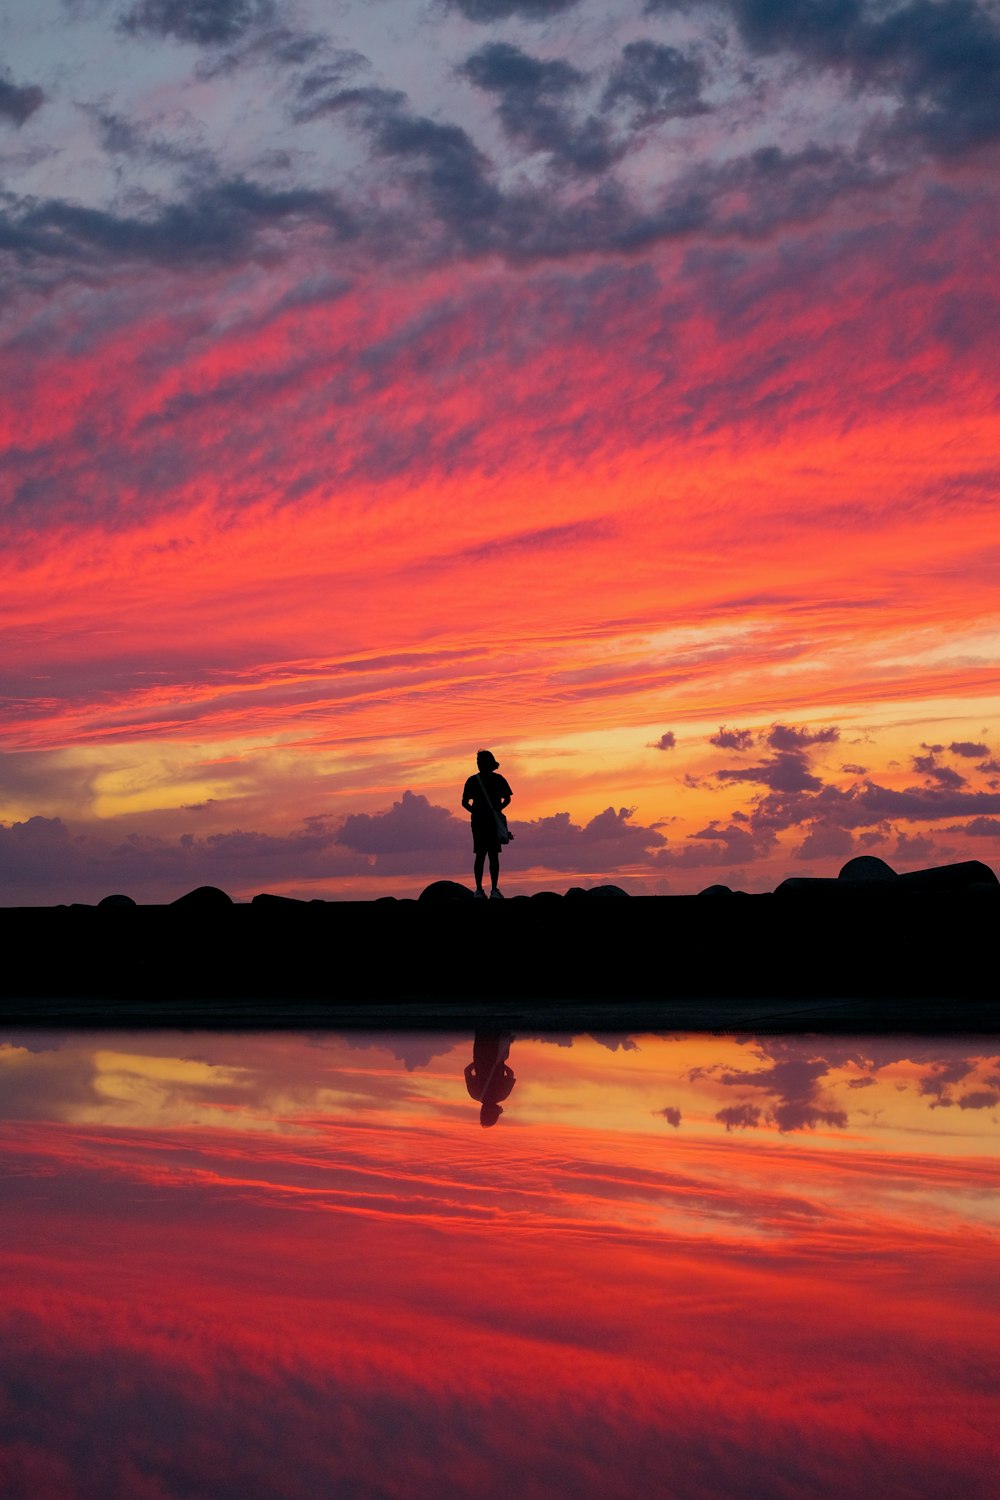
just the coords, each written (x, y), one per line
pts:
(498, 816)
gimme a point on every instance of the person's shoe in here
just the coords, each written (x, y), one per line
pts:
(496, 895)
(480, 894)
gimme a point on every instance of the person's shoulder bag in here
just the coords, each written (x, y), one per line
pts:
(503, 832)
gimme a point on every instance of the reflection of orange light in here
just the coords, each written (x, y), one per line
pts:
(586, 1279)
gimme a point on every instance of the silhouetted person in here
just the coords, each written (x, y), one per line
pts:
(486, 795)
(488, 1077)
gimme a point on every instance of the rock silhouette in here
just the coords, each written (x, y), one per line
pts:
(446, 890)
(204, 898)
(867, 867)
(871, 876)
(878, 949)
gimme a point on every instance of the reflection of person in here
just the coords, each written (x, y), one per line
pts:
(486, 795)
(488, 1077)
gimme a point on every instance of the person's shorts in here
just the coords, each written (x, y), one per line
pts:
(485, 841)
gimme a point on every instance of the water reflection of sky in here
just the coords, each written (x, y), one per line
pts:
(278, 1265)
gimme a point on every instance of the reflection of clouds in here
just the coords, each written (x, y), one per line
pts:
(739, 1116)
(273, 1082)
(283, 1082)
(284, 1298)
(802, 1083)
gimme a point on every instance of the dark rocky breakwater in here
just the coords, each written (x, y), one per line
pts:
(867, 950)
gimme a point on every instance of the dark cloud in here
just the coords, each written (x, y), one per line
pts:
(788, 771)
(219, 221)
(943, 776)
(795, 1082)
(716, 846)
(867, 804)
(937, 1082)
(44, 861)
(658, 82)
(671, 1114)
(732, 739)
(411, 824)
(120, 136)
(667, 741)
(501, 68)
(321, 90)
(18, 102)
(739, 1116)
(607, 843)
(968, 748)
(451, 204)
(204, 22)
(850, 769)
(442, 162)
(914, 849)
(978, 1099)
(273, 46)
(786, 737)
(486, 12)
(979, 828)
(825, 842)
(939, 59)
(531, 98)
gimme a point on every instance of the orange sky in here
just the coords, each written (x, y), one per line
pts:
(311, 491)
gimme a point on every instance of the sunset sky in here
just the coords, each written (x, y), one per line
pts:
(285, 1266)
(612, 386)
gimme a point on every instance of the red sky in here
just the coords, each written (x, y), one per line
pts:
(298, 1266)
(508, 374)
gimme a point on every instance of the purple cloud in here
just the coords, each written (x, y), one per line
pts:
(732, 739)
(786, 737)
(411, 824)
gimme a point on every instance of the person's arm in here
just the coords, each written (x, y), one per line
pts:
(505, 796)
(467, 798)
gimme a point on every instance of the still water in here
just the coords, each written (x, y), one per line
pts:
(687, 1266)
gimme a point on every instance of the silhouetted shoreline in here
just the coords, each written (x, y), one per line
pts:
(901, 954)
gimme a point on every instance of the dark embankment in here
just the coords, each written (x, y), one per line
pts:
(891, 953)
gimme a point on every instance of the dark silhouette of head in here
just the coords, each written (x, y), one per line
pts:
(489, 1114)
(486, 760)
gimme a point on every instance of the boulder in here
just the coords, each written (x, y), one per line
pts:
(606, 890)
(717, 890)
(546, 896)
(205, 898)
(446, 890)
(867, 867)
(957, 877)
(811, 885)
(116, 901)
(268, 902)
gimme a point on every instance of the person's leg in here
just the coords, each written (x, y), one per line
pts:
(477, 870)
(494, 868)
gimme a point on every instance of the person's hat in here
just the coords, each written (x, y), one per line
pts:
(486, 760)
